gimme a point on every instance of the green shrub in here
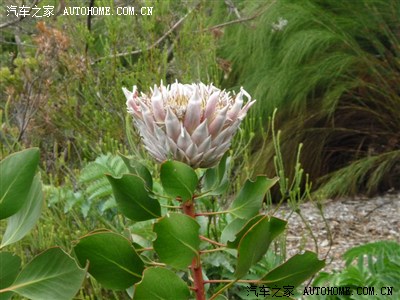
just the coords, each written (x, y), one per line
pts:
(63, 83)
(374, 265)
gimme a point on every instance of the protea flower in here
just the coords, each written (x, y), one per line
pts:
(191, 123)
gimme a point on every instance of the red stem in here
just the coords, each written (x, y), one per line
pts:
(189, 209)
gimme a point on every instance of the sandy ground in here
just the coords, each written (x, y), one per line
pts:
(352, 222)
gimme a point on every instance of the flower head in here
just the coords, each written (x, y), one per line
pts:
(191, 123)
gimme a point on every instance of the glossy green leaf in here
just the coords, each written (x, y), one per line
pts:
(230, 230)
(215, 180)
(133, 199)
(162, 284)
(177, 240)
(178, 179)
(253, 241)
(53, 274)
(243, 230)
(136, 168)
(295, 270)
(16, 175)
(247, 225)
(113, 261)
(249, 201)
(22, 222)
(9, 268)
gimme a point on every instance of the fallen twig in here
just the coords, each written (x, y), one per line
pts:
(241, 20)
(168, 32)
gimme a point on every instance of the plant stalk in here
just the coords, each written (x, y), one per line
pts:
(198, 281)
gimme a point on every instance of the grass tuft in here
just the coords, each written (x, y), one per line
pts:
(333, 70)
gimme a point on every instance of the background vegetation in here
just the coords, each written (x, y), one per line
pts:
(332, 68)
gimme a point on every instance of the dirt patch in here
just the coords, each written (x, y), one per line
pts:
(352, 222)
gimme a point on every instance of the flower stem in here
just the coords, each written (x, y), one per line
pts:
(212, 213)
(211, 241)
(189, 209)
(212, 250)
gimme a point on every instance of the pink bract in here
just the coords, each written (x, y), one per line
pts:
(191, 123)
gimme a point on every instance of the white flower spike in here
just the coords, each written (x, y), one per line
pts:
(191, 123)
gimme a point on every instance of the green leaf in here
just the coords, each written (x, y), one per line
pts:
(9, 268)
(215, 179)
(386, 248)
(247, 225)
(177, 240)
(53, 274)
(16, 175)
(23, 221)
(136, 168)
(253, 241)
(162, 284)
(133, 199)
(105, 163)
(230, 230)
(295, 270)
(113, 261)
(249, 201)
(97, 189)
(178, 179)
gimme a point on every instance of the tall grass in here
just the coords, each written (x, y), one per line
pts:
(333, 70)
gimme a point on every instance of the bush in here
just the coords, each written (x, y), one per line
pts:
(374, 265)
